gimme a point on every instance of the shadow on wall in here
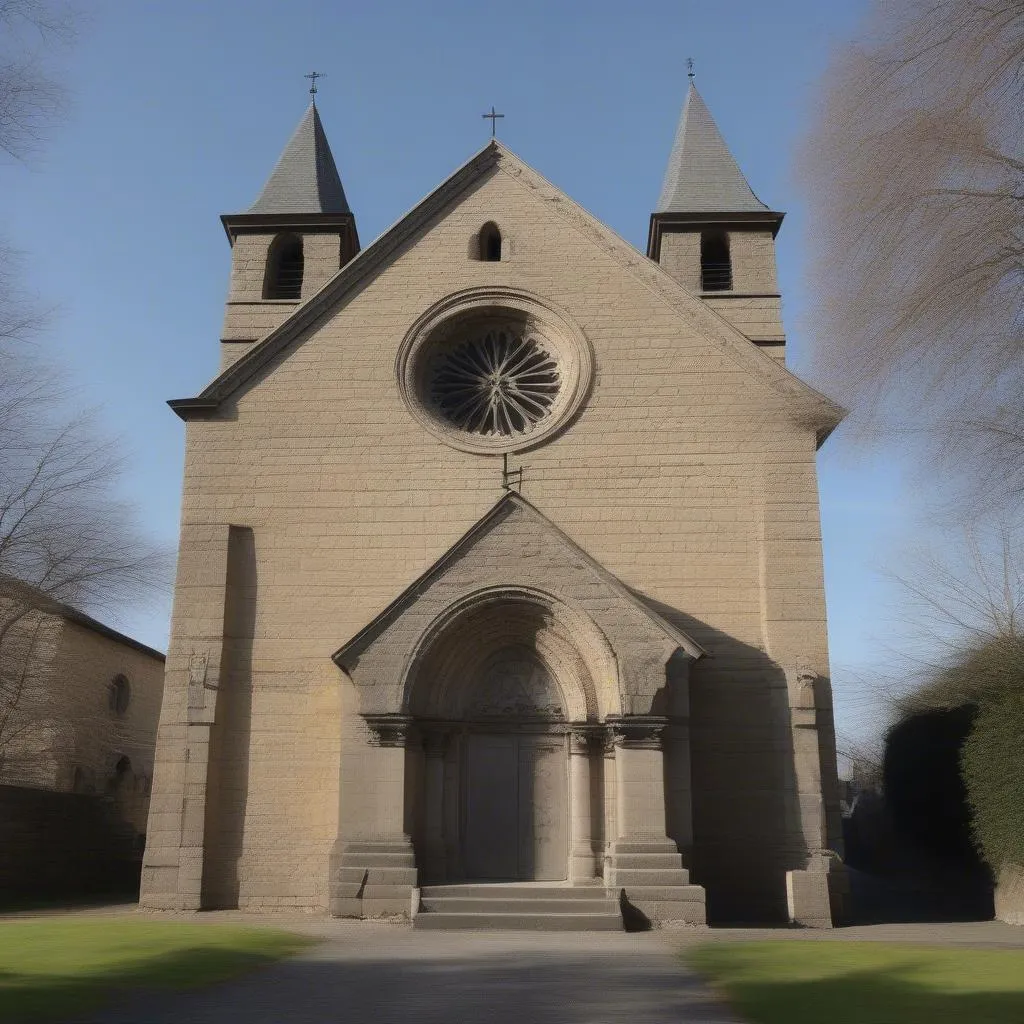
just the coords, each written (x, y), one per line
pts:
(64, 846)
(746, 819)
(910, 847)
(228, 774)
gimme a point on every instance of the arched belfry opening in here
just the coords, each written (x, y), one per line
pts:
(285, 266)
(489, 241)
(715, 262)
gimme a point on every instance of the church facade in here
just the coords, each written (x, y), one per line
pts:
(500, 562)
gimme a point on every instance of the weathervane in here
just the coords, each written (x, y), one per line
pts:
(689, 68)
(313, 76)
(493, 115)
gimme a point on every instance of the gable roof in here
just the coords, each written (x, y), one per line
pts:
(702, 175)
(32, 597)
(305, 179)
(807, 406)
(350, 651)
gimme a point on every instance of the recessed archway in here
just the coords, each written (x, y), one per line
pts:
(494, 688)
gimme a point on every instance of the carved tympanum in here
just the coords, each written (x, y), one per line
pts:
(516, 687)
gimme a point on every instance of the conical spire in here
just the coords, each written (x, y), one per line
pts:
(305, 179)
(702, 175)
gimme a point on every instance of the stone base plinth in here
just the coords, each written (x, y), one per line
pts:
(372, 878)
(654, 887)
(1009, 896)
(816, 895)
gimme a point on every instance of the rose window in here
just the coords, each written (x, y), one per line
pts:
(498, 384)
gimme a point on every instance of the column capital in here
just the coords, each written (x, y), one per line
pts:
(585, 738)
(389, 730)
(638, 732)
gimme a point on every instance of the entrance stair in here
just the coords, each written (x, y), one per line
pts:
(515, 906)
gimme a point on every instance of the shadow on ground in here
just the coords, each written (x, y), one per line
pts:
(59, 996)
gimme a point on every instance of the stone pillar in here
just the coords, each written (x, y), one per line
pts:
(586, 799)
(814, 894)
(172, 867)
(374, 873)
(645, 864)
(435, 747)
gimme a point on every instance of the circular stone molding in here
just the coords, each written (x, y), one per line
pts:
(493, 370)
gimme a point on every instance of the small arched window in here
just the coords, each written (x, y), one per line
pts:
(715, 262)
(119, 694)
(284, 268)
(490, 243)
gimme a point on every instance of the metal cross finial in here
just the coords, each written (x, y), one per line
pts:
(689, 68)
(494, 121)
(313, 76)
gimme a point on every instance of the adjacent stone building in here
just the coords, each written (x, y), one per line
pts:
(501, 562)
(79, 705)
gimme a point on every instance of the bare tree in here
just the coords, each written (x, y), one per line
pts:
(31, 97)
(915, 175)
(65, 538)
(67, 543)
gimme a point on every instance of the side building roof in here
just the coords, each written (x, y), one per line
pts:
(35, 598)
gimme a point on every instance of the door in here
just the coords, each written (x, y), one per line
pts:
(516, 813)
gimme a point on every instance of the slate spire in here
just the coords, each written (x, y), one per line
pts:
(702, 175)
(306, 179)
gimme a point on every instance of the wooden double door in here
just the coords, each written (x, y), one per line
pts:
(516, 814)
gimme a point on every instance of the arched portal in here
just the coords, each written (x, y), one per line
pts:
(496, 688)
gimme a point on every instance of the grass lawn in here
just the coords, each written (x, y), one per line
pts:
(794, 982)
(55, 967)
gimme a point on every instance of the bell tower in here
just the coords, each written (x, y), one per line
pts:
(713, 235)
(297, 235)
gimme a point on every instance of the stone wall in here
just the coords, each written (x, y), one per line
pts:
(686, 474)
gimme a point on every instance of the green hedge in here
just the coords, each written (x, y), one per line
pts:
(993, 767)
(989, 678)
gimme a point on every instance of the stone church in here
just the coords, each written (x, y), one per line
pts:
(499, 598)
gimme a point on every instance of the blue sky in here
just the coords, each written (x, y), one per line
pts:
(181, 109)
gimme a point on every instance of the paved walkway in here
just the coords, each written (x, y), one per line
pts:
(383, 974)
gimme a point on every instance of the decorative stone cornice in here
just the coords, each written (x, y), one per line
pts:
(389, 730)
(586, 738)
(638, 732)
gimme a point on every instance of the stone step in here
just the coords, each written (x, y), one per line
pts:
(484, 905)
(378, 875)
(652, 861)
(686, 893)
(648, 876)
(640, 846)
(511, 891)
(383, 859)
(376, 846)
(520, 922)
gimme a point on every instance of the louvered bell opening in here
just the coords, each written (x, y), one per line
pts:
(716, 277)
(284, 279)
(715, 262)
(289, 276)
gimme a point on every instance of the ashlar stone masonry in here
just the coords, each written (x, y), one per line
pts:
(500, 560)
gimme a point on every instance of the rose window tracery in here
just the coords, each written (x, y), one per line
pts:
(500, 383)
